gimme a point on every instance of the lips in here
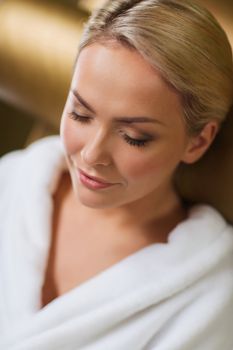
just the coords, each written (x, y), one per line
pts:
(97, 179)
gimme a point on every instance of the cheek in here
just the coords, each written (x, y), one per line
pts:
(138, 166)
(70, 136)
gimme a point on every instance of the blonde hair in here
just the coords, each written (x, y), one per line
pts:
(183, 41)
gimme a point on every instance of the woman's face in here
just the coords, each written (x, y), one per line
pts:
(121, 123)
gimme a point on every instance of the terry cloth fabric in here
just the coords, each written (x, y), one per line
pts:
(169, 296)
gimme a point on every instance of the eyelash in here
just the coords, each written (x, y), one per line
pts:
(129, 140)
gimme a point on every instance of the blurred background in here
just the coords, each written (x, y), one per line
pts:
(38, 45)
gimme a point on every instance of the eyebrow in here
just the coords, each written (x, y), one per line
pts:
(128, 120)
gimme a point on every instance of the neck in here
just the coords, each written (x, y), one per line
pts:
(163, 206)
(149, 220)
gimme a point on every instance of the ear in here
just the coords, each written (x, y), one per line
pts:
(199, 144)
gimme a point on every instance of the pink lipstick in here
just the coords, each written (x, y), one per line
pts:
(92, 182)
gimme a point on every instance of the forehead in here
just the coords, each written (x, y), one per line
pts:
(123, 78)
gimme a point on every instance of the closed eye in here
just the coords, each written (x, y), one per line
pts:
(80, 118)
(131, 141)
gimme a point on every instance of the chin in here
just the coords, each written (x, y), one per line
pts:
(92, 200)
(95, 204)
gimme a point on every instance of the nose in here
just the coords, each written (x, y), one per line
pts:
(96, 151)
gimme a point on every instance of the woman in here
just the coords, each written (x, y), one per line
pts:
(103, 253)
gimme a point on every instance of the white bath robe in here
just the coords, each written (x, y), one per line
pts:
(174, 296)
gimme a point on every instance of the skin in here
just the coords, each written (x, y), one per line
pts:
(143, 206)
(117, 82)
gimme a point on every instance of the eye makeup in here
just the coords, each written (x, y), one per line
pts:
(131, 141)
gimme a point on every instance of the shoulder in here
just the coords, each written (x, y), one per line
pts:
(212, 225)
(46, 144)
(213, 240)
(30, 168)
(202, 269)
(28, 178)
(202, 249)
(12, 162)
(206, 225)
